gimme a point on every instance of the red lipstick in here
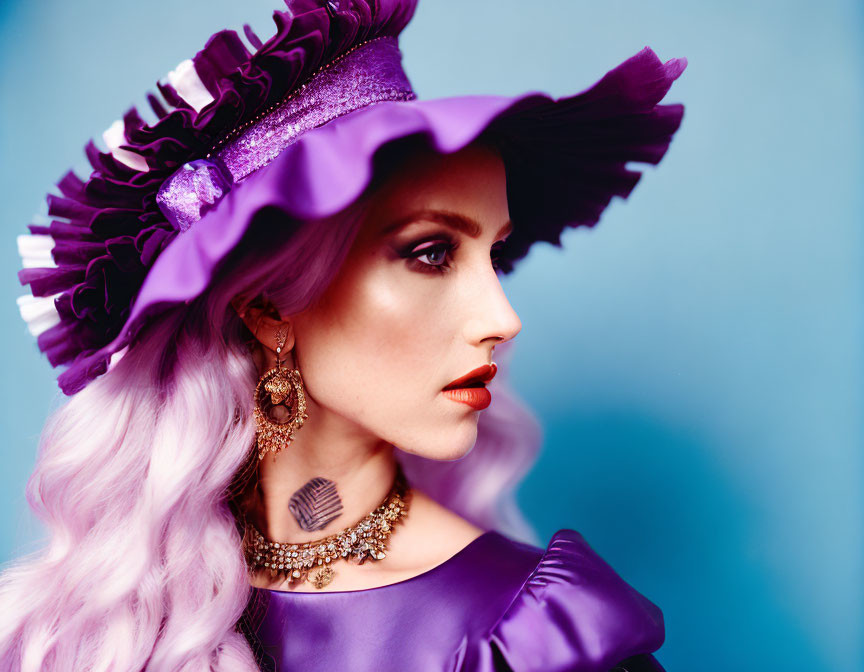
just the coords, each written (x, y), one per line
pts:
(471, 389)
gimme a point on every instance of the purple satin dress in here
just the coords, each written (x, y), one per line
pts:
(497, 605)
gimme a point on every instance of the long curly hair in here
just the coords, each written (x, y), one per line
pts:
(136, 474)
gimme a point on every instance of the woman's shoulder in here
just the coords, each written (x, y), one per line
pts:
(572, 611)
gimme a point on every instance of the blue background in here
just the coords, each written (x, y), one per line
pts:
(695, 360)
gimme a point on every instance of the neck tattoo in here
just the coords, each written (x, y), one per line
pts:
(316, 504)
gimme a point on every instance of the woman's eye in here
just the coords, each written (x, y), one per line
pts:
(431, 257)
(496, 256)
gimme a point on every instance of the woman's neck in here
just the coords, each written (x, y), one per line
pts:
(330, 477)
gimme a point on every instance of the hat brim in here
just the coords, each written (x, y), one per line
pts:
(564, 158)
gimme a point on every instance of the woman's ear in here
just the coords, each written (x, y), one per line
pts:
(264, 323)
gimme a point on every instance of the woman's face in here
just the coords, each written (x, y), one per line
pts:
(416, 305)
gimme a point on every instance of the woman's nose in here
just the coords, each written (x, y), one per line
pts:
(490, 314)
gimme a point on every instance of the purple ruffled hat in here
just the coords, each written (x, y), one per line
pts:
(295, 123)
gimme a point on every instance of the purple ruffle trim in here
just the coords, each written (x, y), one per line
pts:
(108, 230)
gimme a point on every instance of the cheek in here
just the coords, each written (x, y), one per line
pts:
(377, 343)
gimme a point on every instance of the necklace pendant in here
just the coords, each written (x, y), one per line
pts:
(323, 576)
(311, 560)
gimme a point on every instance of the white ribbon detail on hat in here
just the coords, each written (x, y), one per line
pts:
(367, 74)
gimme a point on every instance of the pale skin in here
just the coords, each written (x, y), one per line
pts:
(389, 333)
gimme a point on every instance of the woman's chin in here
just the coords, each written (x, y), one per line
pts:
(454, 444)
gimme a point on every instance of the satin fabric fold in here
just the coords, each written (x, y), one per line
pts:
(575, 613)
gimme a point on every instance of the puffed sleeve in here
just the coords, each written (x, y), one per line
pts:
(575, 614)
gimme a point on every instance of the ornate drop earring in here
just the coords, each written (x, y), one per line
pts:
(278, 386)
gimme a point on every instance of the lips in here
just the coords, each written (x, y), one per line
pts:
(476, 378)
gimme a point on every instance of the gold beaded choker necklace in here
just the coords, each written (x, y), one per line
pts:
(357, 543)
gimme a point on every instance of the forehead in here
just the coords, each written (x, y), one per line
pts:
(470, 182)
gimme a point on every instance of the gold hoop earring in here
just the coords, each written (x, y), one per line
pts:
(278, 386)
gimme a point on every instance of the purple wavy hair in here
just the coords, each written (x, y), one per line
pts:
(142, 566)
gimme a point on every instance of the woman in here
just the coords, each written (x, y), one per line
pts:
(279, 305)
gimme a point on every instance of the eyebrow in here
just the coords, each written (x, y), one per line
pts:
(454, 220)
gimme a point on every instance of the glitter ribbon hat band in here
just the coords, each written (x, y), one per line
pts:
(368, 73)
(237, 132)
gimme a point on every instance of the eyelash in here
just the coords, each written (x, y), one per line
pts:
(448, 246)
